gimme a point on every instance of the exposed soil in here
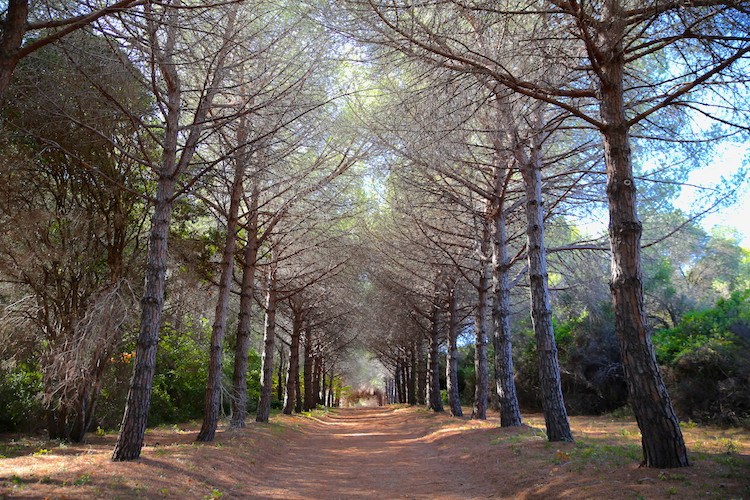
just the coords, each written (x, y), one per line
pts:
(387, 452)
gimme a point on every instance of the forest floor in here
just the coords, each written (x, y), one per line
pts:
(387, 452)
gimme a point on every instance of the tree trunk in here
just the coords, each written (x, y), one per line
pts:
(133, 427)
(510, 413)
(481, 327)
(662, 441)
(451, 365)
(309, 403)
(298, 393)
(555, 415)
(435, 400)
(13, 31)
(269, 340)
(317, 369)
(421, 367)
(247, 292)
(411, 388)
(280, 376)
(216, 349)
(292, 374)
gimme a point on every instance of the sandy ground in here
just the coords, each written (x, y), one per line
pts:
(388, 452)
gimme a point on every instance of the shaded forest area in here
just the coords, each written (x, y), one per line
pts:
(209, 211)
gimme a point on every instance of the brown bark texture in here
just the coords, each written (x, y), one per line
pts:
(553, 405)
(435, 401)
(247, 291)
(133, 426)
(662, 441)
(292, 377)
(510, 412)
(481, 327)
(213, 385)
(269, 340)
(454, 399)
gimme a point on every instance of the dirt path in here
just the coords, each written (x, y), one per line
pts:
(389, 452)
(364, 453)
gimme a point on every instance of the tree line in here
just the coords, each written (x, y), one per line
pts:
(245, 136)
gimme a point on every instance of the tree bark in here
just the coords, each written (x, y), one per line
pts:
(510, 413)
(553, 405)
(421, 368)
(662, 441)
(213, 385)
(481, 370)
(280, 375)
(13, 31)
(133, 427)
(308, 403)
(247, 292)
(292, 376)
(269, 340)
(411, 388)
(435, 402)
(451, 365)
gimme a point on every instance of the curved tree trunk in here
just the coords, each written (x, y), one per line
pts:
(662, 441)
(269, 341)
(553, 405)
(451, 365)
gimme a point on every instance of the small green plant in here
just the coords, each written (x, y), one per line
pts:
(41, 452)
(99, 431)
(15, 479)
(215, 493)
(671, 491)
(83, 480)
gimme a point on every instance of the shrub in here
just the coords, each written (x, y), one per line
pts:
(706, 361)
(20, 392)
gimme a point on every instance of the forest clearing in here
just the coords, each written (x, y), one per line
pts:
(380, 452)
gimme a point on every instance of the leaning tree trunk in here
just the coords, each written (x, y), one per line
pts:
(216, 350)
(481, 370)
(269, 340)
(433, 361)
(133, 427)
(661, 436)
(247, 292)
(451, 365)
(553, 405)
(510, 412)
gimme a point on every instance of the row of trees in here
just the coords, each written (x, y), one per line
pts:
(489, 127)
(155, 123)
(532, 88)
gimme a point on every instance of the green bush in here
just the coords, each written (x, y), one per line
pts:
(20, 393)
(179, 382)
(706, 361)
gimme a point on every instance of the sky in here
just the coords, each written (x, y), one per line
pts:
(728, 160)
